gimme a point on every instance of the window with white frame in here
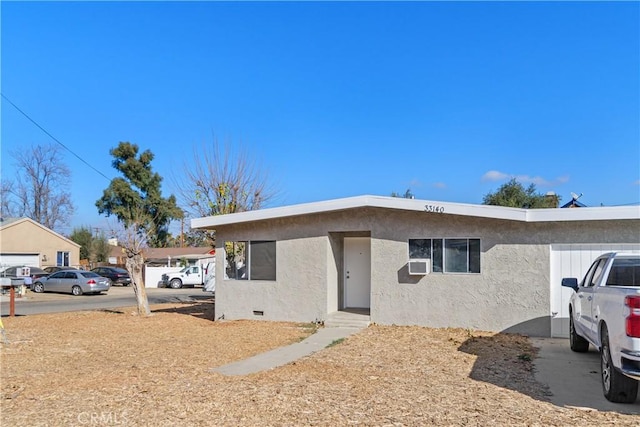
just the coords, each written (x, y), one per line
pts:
(448, 255)
(62, 259)
(251, 260)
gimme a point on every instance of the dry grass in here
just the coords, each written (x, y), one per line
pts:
(114, 368)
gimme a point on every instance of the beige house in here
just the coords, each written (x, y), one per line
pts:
(23, 241)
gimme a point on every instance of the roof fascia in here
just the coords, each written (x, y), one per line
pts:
(21, 220)
(436, 207)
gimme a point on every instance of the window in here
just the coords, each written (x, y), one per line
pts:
(62, 259)
(253, 260)
(624, 272)
(594, 273)
(448, 255)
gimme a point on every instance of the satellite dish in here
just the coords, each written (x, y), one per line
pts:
(575, 196)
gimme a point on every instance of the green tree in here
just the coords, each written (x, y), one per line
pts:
(100, 249)
(84, 238)
(92, 248)
(407, 194)
(514, 194)
(136, 201)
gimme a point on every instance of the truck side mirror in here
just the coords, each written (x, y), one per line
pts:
(570, 282)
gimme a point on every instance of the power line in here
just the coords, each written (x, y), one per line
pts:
(53, 137)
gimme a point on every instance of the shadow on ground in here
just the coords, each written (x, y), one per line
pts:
(542, 368)
(505, 360)
(202, 309)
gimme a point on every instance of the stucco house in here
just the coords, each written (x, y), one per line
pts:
(412, 262)
(176, 256)
(24, 241)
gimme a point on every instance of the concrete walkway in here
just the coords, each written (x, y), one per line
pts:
(574, 378)
(283, 355)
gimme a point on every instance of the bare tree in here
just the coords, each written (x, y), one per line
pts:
(39, 191)
(221, 180)
(7, 204)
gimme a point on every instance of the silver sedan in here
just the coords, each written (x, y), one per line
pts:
(76, 282)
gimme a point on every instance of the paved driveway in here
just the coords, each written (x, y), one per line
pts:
(574, 378)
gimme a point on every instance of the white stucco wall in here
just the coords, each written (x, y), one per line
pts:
(511, 293)
(299, 294)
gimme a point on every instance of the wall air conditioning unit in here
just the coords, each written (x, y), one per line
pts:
(418, 267)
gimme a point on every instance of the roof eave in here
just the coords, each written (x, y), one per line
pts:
(427, 206)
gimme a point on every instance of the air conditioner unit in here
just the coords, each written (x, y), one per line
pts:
(419, 267)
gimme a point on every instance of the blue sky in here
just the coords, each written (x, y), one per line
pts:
(335, 99)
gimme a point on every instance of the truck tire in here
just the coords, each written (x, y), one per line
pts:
(576, 342)
(176, 283)
(617, 387)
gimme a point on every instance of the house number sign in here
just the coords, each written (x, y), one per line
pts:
(434, 208)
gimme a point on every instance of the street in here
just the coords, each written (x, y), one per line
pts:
(118, 296)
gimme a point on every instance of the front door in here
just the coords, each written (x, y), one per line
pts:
(357, 272)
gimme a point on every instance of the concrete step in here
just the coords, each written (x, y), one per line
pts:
(348, 319)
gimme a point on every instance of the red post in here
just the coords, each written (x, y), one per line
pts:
(12, 301)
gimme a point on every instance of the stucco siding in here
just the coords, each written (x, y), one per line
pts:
(298, 294)
(511, 292)
(27, 237)
(511, 287)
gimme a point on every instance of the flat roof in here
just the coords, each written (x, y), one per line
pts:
(442, 208)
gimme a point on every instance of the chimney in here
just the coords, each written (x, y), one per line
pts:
(552, 199)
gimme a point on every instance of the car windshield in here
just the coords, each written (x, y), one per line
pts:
(185, 269)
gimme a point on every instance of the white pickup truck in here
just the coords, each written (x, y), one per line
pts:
(193, 275)
(605, 311)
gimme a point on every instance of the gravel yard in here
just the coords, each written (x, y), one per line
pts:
(115, 368)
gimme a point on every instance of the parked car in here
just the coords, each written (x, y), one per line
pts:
(34, 272)
(191, 275)
(53, 269)
(604, 311)
(116, 275)
(77, 282)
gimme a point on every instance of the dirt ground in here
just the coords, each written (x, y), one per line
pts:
(115, 368)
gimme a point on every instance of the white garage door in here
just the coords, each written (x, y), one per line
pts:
(8, 260)
(573, 260)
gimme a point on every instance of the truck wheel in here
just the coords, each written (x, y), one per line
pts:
(617, 388)
(576, 342)
(176, 283)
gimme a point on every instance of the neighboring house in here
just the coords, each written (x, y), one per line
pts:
(170, 257)
(158, 261)
(173, 257)
(23, 241)
(412, 262)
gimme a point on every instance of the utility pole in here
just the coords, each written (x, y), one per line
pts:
(182, 233)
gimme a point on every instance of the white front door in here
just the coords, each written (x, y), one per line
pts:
(357, 272)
